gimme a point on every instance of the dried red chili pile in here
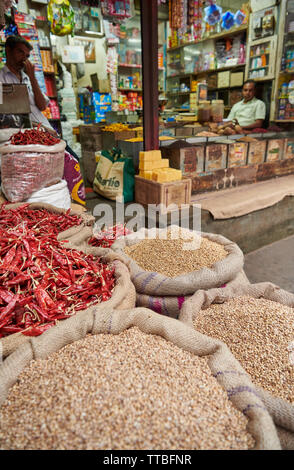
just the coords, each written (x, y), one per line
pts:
(41, 282)
(107, 236)
(39, 220)
(35, 136)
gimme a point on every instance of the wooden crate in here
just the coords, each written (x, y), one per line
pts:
(150, 192)
(188, 158)
(110, 139)
(89, 164)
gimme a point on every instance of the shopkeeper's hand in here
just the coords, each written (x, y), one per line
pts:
(29, 69)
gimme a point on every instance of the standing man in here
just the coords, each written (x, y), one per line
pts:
(20, 70)
(249, 113)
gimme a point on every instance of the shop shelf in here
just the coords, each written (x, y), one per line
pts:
(135, 66)
(221, 35)
(138, 90)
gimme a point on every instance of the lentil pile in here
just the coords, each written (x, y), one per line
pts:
(260, 334)
(170, 256)
(127, 391)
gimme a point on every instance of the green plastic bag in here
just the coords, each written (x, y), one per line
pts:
(61, 17)
(115, 176)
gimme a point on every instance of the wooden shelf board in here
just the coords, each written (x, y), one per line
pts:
(135, 66)
(138, 90)
(205, 72)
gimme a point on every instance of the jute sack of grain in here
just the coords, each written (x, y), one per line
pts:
(85, 219)
(165, 255)
(172, 305)
(257, 323)
(123, 295)
(99, 408)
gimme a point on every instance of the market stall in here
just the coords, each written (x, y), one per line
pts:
(133, 337)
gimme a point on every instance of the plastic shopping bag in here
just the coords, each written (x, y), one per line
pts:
(115, 176)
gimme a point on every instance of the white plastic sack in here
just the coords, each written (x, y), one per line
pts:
(57, 195)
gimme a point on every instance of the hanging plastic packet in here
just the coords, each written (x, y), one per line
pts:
(228, 20)
(213, 14)
(239, 18)
(61, 17)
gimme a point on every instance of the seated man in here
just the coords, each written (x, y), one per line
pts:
(249, 113)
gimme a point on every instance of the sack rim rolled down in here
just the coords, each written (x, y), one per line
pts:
(281, 411)
(260, 424)
(123, 290)
(156, 284)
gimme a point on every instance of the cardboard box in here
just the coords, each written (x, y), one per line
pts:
(91, 142)
(288, 148)
(237, 154)
(275, 150)
(132, 149)
(89, 165)
(216, 157)
(223, 79)
(236, 78)
(256, 152)
(189, 158)
(110, 139)
(212, 80)
(184, 131)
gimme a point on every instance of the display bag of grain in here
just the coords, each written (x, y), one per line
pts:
(128, 380)
(169, 265)
(257, 323)
(45, 280)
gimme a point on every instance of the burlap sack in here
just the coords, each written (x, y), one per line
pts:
(238, 385)
(87, 219)
(156, 284)
(171, 305)
(123, 296)
(281, 411)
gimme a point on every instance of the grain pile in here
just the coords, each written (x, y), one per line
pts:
(127, 391)
(260, 334)
(171, 257)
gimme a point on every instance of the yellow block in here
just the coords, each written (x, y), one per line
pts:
(147, 165)
(163, 163)
(150, 156)
(146, 174)
(166, 175)
(175, 175)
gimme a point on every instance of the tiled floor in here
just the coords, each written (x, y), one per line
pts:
(273, 263)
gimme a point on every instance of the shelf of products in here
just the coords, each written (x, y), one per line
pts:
(220, 35)
(218, 60)
(285, 82)
(262, 59)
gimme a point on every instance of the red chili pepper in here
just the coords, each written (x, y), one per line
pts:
(6, 311)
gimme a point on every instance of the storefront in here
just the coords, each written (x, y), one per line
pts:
(127, 207)
(90, 66)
